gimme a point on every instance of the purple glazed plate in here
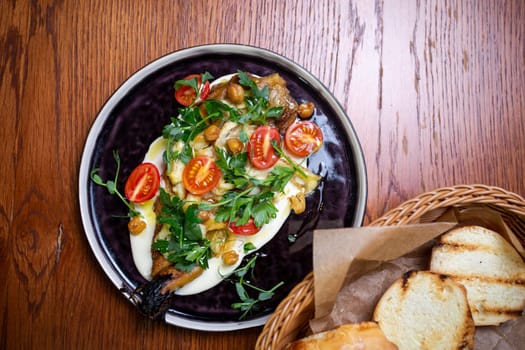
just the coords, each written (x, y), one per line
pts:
(135, 115)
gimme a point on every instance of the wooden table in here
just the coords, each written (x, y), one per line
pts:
(434, 89)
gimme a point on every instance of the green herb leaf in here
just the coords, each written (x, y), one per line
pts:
(161, 245)
(266, 295)
(245, 80)
(243, 136)
(111, 186)
(263, 211)
(239, 207)
(217, 109)
(274, 112)
(193, 83)
(256, 102)
(283, 155)
(241, 291)
(185, 245)
(233, 167)
(96, 178)
(249, 246)
(248, 303)
(206, 76)
(192, 229)
(184, 266)
(278, 178)
(182, 128)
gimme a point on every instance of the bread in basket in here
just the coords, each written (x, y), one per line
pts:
(290, 319)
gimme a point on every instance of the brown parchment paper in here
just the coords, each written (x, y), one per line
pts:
(354, 266)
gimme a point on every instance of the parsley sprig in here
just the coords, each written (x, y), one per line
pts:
(257, 102)
(253, 197)
(111, 185)
(233, 167)
(240, 207)
(248, 303)
(185, 246)
(220, 110)
(183, 128)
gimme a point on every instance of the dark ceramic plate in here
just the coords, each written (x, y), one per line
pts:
(135, 115)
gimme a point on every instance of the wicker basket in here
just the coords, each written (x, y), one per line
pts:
(290, 319)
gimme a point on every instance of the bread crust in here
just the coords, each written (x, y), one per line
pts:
(352, 336)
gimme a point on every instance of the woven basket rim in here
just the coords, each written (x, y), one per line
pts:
(281, 326)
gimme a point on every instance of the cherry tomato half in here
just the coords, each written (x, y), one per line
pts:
(247, 229)
(143, 183)
(260, 149)
(303, 138)
(200, 175)
(186, 95)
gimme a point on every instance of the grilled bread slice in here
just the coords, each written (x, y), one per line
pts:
(351, 336)
(424, 310)
(491, 270)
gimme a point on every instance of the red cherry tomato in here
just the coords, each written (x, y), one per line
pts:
(186, 95)
(247, 229)
(303, 138)
(143, 183)
(260, 149)
(200, 175)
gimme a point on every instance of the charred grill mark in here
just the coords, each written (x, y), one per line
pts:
(404, 281)
(443, 277)
(487, 279)
(460, 247)
(511, 313)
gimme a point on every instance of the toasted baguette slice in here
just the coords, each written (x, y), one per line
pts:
(424, 310)
(490, 269)
(352, 336)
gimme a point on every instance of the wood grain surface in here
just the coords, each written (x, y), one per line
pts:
(434, 89)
